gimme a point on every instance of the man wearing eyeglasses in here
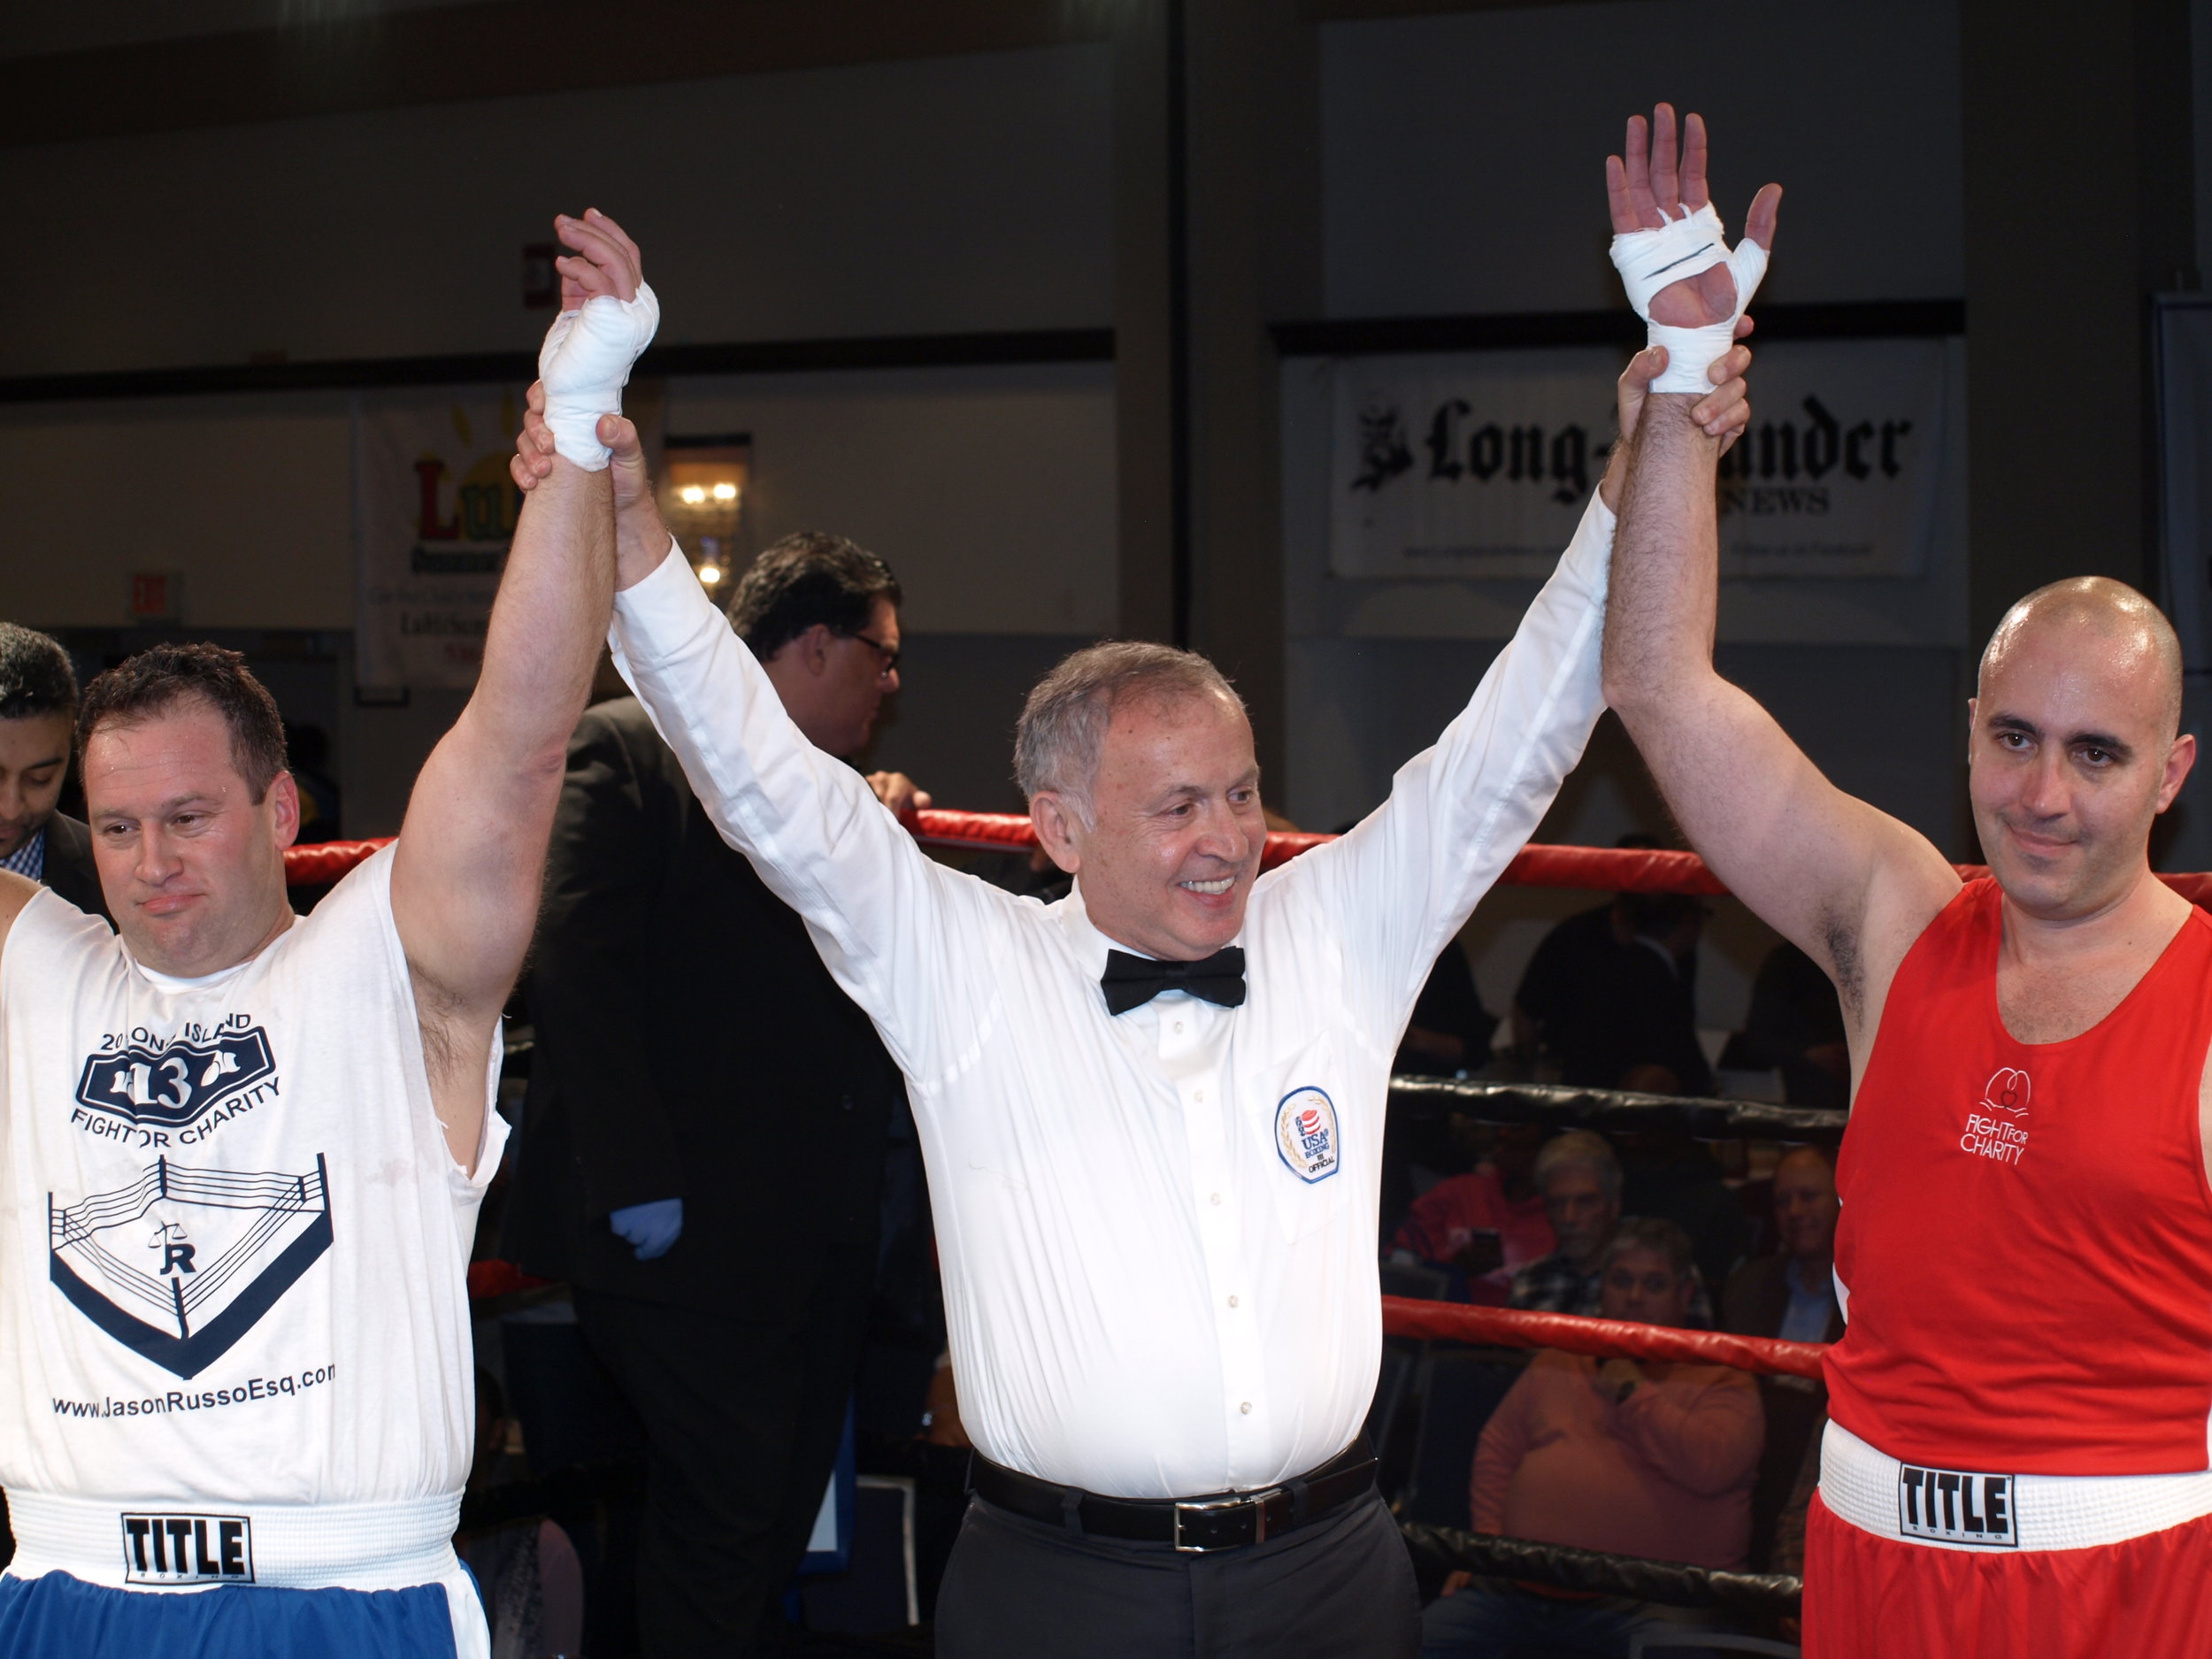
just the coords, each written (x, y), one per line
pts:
(706, 1128)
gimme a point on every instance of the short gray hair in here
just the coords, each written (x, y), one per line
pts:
(1582, 1147)
(1656, 1234)
(1064, 724)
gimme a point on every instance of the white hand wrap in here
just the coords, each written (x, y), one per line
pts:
(1649, 260)
(585, 363)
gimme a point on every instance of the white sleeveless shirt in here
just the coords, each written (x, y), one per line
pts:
(233, 1241)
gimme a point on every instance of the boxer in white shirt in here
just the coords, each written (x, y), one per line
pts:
(242, 1151)
(1152, 1112)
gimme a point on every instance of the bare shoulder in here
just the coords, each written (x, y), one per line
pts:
(15, 893)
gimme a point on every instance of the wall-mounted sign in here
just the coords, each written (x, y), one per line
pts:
(156, 595)
(434, 511)
(1479, 464)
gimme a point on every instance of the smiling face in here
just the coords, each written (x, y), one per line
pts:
(33, 760)
(1174, 833)
(1805, 1205)
(191, 865)
(2073, 749)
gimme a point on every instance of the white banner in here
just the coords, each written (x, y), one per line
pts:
(434, 511)
(1478, 464)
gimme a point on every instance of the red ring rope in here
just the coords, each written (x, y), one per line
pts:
(1604, 1338)
(1597, 869)
(1461, 1322)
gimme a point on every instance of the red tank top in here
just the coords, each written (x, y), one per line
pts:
(2026, 1235)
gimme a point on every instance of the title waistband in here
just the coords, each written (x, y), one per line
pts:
(170, 1544)
(1994, 1510)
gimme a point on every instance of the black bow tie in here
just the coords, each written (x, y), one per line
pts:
(1133, 981)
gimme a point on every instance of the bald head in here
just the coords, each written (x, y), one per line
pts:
(2103, 621)
(2075, 747)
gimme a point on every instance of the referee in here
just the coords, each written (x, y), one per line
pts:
(1152, 1112)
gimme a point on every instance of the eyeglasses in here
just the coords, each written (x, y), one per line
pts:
(885, 654)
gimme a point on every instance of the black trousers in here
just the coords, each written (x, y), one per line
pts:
(742, 1418)
(1341, 1588)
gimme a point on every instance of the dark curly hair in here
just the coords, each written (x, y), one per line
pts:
(156, 680)
(36, 677)
(807, 578)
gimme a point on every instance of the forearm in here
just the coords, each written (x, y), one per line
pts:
(641, 539)
(547, 625)
(1664, 606)
(1407, 876)
(464, 882)
(1706, 1443)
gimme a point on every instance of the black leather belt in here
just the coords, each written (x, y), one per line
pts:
(1226, 1520)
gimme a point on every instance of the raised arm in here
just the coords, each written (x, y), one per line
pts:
(1404, 879)
(1845, 882)
(472, 850)
(827, 840)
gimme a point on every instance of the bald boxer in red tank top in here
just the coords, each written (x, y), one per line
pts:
(2016, 1461)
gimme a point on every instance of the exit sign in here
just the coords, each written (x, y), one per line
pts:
(156, 595)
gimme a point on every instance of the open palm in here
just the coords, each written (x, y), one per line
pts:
(1648, 190)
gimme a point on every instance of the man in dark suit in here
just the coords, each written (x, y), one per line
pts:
(1793, 1295)
(704, 1139)
(38, 718)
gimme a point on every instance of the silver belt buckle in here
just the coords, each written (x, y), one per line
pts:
(1257, 1500)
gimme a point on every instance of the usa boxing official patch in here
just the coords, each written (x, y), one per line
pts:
(1306, 1134)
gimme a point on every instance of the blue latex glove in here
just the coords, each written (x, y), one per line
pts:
(653, 1229)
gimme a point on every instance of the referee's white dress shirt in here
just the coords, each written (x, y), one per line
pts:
(1157, 1232)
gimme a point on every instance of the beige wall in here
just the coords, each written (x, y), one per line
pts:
(947, 195)
(248, 496)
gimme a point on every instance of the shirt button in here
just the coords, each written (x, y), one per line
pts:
(1216, 1198)
(1178, 1027)
(1199, 1095)
(1246, 1408)
(1233, 1301)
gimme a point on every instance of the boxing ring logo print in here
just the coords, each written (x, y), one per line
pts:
(182, 1263)
(152, 1084)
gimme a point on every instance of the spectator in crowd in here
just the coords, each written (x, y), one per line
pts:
(38, 719)
(1450, 1029)
(1792, 1296)
(1796, 1025)
(1559, 989)
(1448, 1035)
(1579, 1180)
(307, 754)
(706, 1132)
(528, 1572)
(1645, 1458)
(1579, 1177)
(1488, 1223)
(1642, 1032)
(1666, 1172)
